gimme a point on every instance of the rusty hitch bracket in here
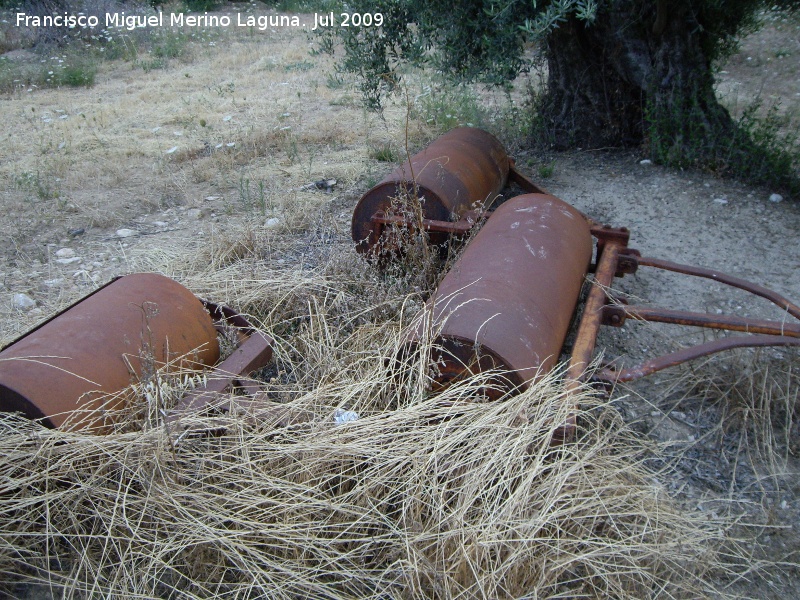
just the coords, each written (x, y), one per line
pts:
(253, 352)
(615, 259)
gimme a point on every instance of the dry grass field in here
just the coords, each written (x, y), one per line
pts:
(196, 164)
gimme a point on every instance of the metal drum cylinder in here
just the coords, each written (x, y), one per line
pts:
(508, 301)
(464, 169)
(64, 370)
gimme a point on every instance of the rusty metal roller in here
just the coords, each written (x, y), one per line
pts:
(464, 169)
(99, 345)
(508, 301)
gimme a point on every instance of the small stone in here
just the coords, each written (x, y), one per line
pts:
(23, 302)
(160, 223)
(76, 232)
(671, 431)
(776, 198)
(325, 184)
(272, 223)
(199, 213)
(125, 233)
(69, 261)
(646, 161)
(65, 253)
(721, 200)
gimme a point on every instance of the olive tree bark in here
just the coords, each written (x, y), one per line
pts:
(639, 70)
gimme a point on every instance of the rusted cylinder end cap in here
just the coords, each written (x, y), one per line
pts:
(65, 371)
(508, 301)
(464, 169)
(384, 197)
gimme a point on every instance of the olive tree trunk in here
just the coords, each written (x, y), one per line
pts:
(638, 74)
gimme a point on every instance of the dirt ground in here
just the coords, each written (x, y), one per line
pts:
(80, 167)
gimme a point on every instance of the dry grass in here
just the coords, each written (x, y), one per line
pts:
(754, 396)
(442, 498)
(235, 107)
(422, 497)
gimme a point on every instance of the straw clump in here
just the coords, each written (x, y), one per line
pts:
(423, 496)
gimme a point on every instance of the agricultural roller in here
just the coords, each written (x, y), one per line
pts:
(510, 301)
(72, 371)
(443, 189)
(507, 303)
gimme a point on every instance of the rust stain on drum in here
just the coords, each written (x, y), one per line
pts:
(64, 370)
(464, 169)
(508, 301)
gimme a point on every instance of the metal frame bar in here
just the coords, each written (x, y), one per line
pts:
(616, 315)
(253, 352)
(759, 290)
(601, 309)
(610, 376)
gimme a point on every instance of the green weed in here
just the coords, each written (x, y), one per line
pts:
(79, 74)
(201, 5)
(253, 197)
(294, 6)
(300, 66)
(335, 81)
(446, 106)
(41, 187)
(449, 106)
(169, 44)
(545, 171)
(761, 150)
(384, 153)
(57, 71)
(152, 64)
